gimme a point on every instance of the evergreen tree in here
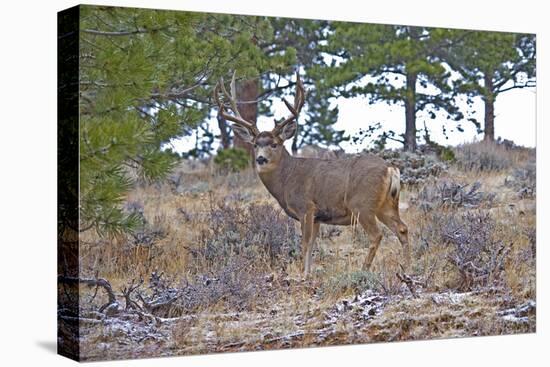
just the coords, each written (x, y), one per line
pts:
(318, 122)
(402, 61)
(297, 39)
(306, 38)
(145, 79)
(490, 63)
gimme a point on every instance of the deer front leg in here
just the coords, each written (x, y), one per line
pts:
(390, 217)
(309, 233)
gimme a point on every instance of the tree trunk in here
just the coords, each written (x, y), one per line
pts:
(410, 113)
(247, 90)
(489, 101)
(295, 142)
(224, 132)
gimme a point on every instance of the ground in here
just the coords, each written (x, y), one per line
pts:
(217, 267)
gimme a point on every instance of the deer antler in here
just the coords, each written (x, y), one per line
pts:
(232, 98)
(299, 99)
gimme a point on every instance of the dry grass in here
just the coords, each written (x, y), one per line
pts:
(485, 156)
(224, 243)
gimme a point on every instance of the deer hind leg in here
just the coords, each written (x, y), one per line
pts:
(375, 236)
(389, 215)
(309, 234)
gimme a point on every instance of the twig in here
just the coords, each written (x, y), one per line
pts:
(127, 293)
(410, 282)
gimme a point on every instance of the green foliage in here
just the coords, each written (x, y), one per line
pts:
(357, 282)
(107, 150)
(145, 79)
(304, 37)
(508, 59)
(232, 159)
(446, 154)
(320, 118)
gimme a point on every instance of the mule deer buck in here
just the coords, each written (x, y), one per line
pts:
(314, 191)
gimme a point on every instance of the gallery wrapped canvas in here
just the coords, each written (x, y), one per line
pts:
(241, 183)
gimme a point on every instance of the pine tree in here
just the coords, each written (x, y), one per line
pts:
(306, 38)
(490, 63)
(146, 78)
(293, 45)
(318, 122)
(400, 59)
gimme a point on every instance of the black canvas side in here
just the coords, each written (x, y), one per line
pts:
(67, 183)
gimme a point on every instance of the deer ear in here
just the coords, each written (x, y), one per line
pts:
(288, 130)
(243, 133)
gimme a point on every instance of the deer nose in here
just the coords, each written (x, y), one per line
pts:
(261, 160)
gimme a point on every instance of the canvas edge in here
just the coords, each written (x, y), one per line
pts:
(68, 332)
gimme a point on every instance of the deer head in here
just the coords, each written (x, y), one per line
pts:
(268, 145)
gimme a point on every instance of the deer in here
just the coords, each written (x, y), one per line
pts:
(313, 191)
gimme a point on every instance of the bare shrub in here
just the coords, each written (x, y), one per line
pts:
(469, 242)
(237, 285)
(488, 156)
(329, 232)
(232, 286)
(188, 178)
(531, 234)
(523, 180)
(447, 193)
(475, 252)
(151, 231)
(415, 168)
(258, 230)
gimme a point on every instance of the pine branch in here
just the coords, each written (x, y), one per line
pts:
(96, 32)
(527, 84)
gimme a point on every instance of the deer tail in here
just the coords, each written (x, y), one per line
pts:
(395, 183)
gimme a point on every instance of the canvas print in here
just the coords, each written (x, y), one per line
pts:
(242, 183)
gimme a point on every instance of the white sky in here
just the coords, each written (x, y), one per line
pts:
(515, 119)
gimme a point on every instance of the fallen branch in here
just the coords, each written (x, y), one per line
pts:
(127, 293)
(409, 282)
(100, 282)
(159, 306)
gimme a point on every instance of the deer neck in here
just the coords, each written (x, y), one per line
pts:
(275, 180)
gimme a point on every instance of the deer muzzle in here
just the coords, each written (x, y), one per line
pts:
(261, 160)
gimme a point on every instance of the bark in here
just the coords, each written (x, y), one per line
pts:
(224, 132)
(410, 113)
(247, 90)
(489, 101)
(294, 147)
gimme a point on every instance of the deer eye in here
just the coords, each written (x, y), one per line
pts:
(273, 146)
(255, 145)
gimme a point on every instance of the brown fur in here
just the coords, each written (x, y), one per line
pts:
(315, 191)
